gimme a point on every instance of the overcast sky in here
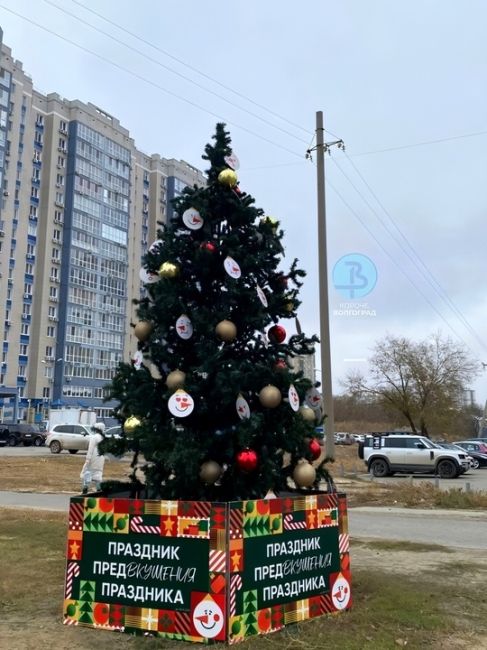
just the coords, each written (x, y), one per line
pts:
(402, 83)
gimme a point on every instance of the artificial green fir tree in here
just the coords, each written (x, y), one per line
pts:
(212, 406)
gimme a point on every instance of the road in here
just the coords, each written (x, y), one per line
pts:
(453, 528)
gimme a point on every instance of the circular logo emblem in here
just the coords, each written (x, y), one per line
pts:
(208, 618)
(340, 592)
(354, 275)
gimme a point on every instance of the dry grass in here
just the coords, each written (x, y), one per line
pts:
(54, 473)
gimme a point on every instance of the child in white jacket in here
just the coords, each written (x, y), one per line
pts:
(93, 468)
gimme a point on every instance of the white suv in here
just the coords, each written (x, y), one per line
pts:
(389, 453)
(72, 437)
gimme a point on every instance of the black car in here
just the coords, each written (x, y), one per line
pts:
(14, 434)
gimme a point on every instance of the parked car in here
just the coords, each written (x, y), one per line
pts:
(386, 454)
(73, 437)
(27, 434)
(342, 438)
(358, 437)
(113, 432)
(475, 460)
(475, 449)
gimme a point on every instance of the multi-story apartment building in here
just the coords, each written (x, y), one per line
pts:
(79, 206)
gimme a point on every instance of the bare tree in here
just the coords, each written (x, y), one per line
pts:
(423, 381)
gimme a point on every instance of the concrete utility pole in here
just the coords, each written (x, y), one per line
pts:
(327, 385)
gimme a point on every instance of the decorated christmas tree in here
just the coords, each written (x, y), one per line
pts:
(210, 404)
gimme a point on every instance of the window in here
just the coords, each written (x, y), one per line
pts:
(24, 329)
(59, 180)
(29, 269)
(62, 144)
(39, 119)
(53, 292)
(26, 309)
(59, 198)
(34, 192)
(56, 235)
(38, 137)
(61, 161)
(52, 312)
(58, 216)
(48, 350)
(23, 349)
(63, 126)
(33, 211)
(51, 331)
(46, 393)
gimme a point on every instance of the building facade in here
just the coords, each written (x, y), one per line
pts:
(79, 207)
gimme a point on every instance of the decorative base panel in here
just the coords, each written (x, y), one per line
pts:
(206, 572)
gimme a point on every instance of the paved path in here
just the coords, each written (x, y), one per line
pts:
(454, 528)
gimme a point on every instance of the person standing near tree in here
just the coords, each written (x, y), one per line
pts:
(93, 467)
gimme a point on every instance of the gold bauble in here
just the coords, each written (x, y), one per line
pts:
(168, 270)
(226, 330)
(289, 306)
(307, 414)
(304, 474)
(175, 379)
(131, 424)
(155, 373)
(210, 472)
(143, 330)
(270, 396)
(228, 177)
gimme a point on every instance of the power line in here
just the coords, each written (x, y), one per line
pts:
(421, 144)
(429, 278)
(190, 67)
(427, 300)
(175, 72)
(149, 81)
(418, 258)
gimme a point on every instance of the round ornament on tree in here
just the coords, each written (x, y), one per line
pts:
(210, 472)
(226, 331)
(270, 396)
(208, 246)
(192, 219)
(143, 330)
(276, 334)
(243, 408)
(247, 460)
(184, 327)
(180, 404)
(304, 474)
(307, 414)
(131, 424)
(168, 270)
(228, 178)
(314, 448)
(175, 379)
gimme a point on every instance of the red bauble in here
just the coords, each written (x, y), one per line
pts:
(283, 280)
(276, 334)
(247, 460)
(208, 246)
(315, 448)
(280, 365)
